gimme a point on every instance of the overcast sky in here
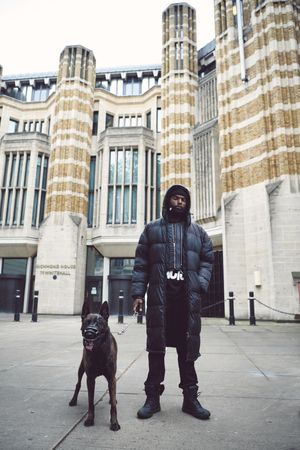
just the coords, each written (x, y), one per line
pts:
(119, 32)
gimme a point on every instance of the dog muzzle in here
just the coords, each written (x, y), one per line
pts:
(90, 337)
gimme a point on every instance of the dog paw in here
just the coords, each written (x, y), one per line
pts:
(72, 402)
(89, 422)
(115, 426)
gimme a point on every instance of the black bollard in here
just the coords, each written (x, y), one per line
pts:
(140, 315)
(17, 306)
(251, 299)
(35, 306)
(231, 308)
(121, 304)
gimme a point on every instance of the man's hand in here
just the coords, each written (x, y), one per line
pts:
(138, 305)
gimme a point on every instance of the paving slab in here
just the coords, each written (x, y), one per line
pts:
(249, 377)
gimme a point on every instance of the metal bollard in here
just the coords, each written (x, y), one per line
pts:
(17, 306)
(121, 304)
(140, 316)
(252, 320)
(35, 306)
(231, 308)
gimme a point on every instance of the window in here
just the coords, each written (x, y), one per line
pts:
(158, 120)
(90, 216)
(13, 126)
(121, 266)
(13, 190)
(132, 86)
(147, 83)
(152, 186)
(40, 190)
(109, 120)
(94, 262)
(148, 119)
(116, 86)
(122, 185)
(14, 266)
(95, 123)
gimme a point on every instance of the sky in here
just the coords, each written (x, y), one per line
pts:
(119, 32)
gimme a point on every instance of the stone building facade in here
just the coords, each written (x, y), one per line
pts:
(86, 155)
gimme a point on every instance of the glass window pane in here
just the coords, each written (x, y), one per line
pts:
(16, 208)
(110, 201)
(121, 121)
(2, 205)
(112, 164)
(45, 172)
(126, 205)
(127, 121)
(26, 170)
(21, 159)
(135, 166)
(8, 207)
(23, 207)
(14, 266)
(38, 171)
(127, 165)
(5, 176)
(42, 207)
(120, 167)
(94, 262)
(35, 207)
(139, 121)
(12, 170)
(133, 204)
(118, 205)
(121, 266)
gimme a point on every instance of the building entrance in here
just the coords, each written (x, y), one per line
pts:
(9, 284)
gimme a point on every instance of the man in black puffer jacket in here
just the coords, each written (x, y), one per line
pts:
(173, 264)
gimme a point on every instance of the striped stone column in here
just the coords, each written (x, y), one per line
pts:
(61, 259)
(179, 88)
(72, 133)
(258, 77)
(258, 120)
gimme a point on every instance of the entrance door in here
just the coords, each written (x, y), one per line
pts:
(117, 283)
(8, 287)
(213, 301)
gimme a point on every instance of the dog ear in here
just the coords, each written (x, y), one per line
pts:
(104, 311)
(85, 310)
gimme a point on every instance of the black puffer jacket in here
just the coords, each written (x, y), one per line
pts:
(149, 274)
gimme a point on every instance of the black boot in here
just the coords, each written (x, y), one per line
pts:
(152, 404)
(191, 405)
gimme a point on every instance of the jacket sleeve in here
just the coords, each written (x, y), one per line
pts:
(140, 274)
(206, 261)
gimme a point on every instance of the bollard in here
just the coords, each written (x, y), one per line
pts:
(17, 306)
(231, 308)
(35, 306)
(252, 320)
(140, 315)
(121, 303)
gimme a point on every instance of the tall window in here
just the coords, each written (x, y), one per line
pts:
(13, 188)
(122, 185)
(95, 123)
(109, 120)
(152, 186)
(13, 126)
(90, 216)
(40, 190)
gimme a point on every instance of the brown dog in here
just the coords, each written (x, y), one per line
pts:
(99, 358)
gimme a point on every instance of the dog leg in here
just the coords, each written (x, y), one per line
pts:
(112, 386)
(73, 401)
(91, 392)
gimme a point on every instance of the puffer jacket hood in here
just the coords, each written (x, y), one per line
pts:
(171, 191)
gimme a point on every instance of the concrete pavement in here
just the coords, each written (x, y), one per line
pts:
(249, 377)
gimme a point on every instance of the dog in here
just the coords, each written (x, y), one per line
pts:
(99, 358)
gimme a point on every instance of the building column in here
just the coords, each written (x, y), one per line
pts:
(27, 284)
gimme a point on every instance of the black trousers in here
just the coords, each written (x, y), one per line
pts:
(156, 374)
